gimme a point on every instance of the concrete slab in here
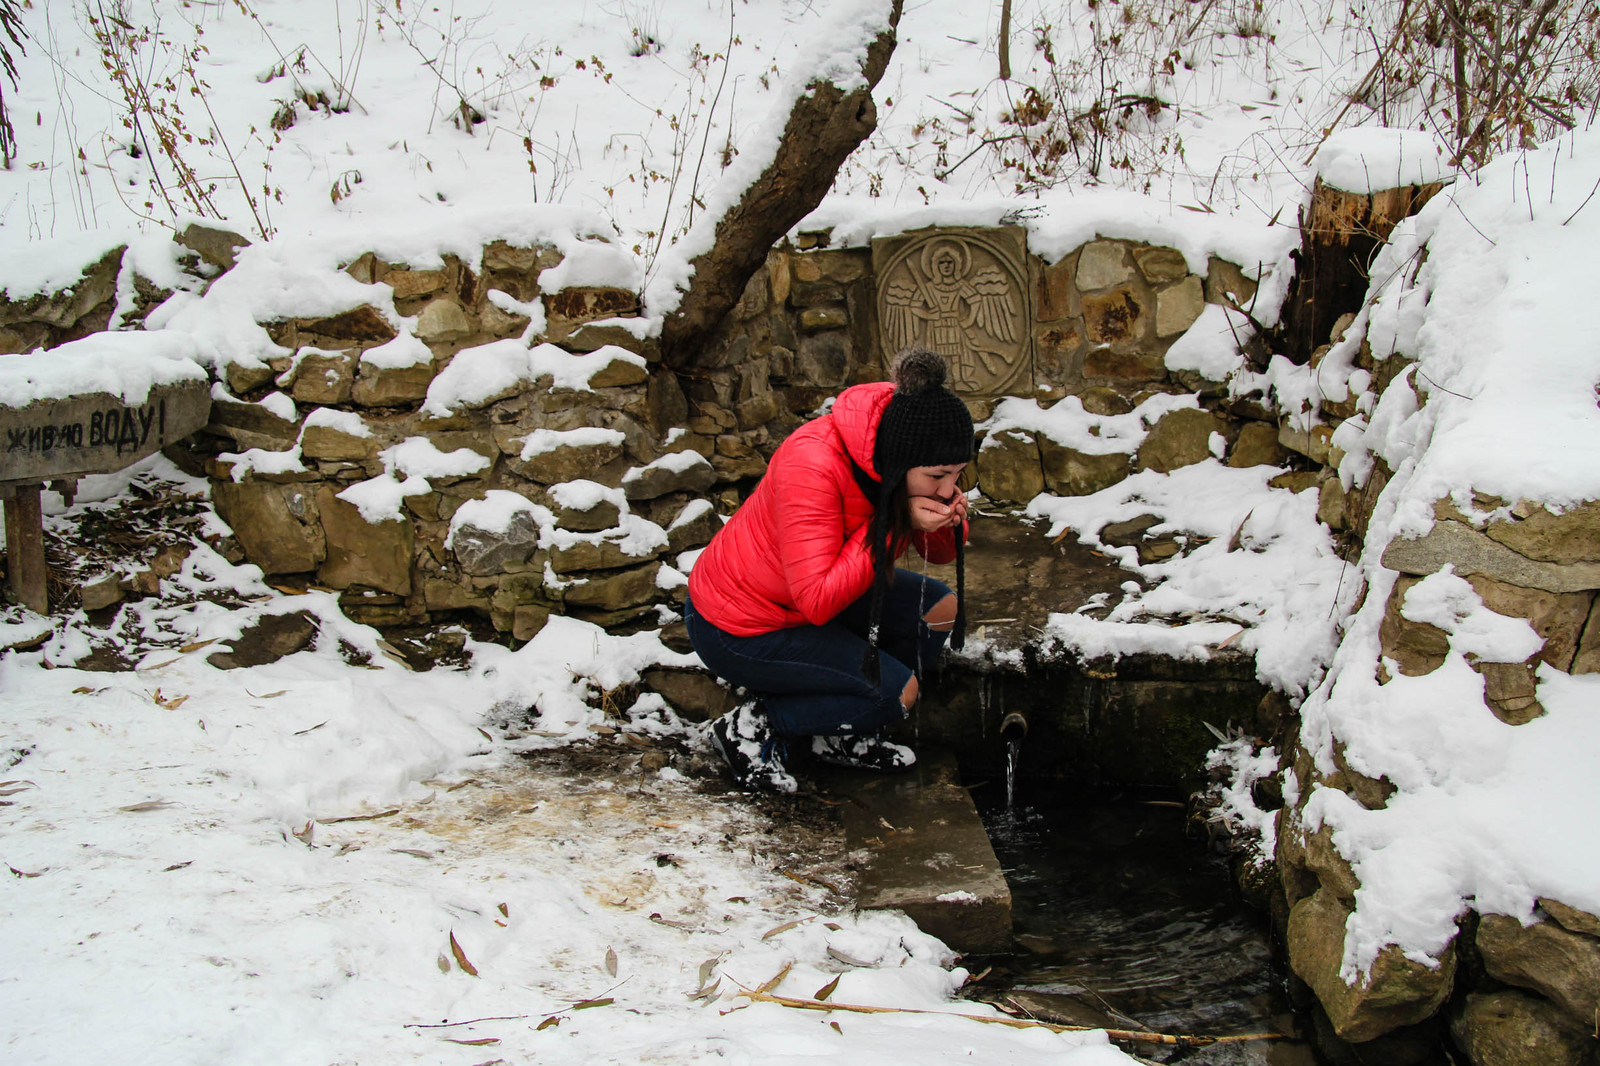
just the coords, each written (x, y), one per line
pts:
(926, 853)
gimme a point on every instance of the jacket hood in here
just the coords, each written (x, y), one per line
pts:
(856, 414)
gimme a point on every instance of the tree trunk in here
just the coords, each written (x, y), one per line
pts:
(824, 127)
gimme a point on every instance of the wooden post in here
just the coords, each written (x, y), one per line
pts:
(25, 566)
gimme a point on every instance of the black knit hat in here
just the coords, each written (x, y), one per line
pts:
(924, 424)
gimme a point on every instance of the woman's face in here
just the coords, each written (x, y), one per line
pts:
(936, 481)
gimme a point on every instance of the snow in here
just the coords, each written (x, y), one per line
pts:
(1069, 425)
(126, 365)
(1369, 159)
(543, 441)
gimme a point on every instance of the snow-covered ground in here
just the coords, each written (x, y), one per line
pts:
(182, 888)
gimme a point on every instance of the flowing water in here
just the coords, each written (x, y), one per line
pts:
(1115, 910)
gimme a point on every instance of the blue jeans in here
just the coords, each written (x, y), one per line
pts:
(811, 677)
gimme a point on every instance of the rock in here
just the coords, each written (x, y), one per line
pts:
(1416, 647)
(326, 442)
(1102, 264)
(482, 552)
(96, 287)
(1009, 468)
(618, 373)
(100, 593)
(616, 591)
(408, 283)
(1069, 472)
(1394, 993)
(1182, 438)
(1587, 659)
(323, 377)
(831, 316)
(499, 255)
(392, 386)
(250, 425)
(1472, 552)
(694, 694)
(1102, 401)
(1127, 533)
(442, 321)
(277, 525)
(1513, 1029)
(1296, 481)
(603, 554)
(241, 378)
(1510, 691)
(361, 326)
(602, 514)
(1058, 291)
(823, 359)
(693, 527)
(527, 620)
(1227, 285)
(1256, 445)
(363, 553)
(1571, 918)
(1311, 443)
(1560, 965)
(1333, 870)
(268, 639)
(1557, 618)
(673, 472)
(1330, 503)
(439, 594)
(1177, 306)
(1115, 318)
(215, 246)
(592, 336)
(166, 563)
(1159, 264)
(1573, 537)
(567, 463)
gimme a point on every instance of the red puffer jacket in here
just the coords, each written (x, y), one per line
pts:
(796, 552)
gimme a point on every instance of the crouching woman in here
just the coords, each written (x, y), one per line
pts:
(797, 598)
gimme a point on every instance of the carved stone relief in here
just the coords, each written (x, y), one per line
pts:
(964, 294)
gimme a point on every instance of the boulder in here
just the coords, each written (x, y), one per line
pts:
(1573, 537)
(1587, 659)
(1562, 966)
(250, 425)
(602, 514)
(266, 640)
(1102, 264)
(100, 593)
(1256, 445)
(377, 555)
(1182, 438)
(482, 552)
(1009, 468)
(1177, 306)
(603, 554)
(323, 377)
(1416, 647)
(673, 472)
(693, 527)
(1070, 472)
(442, 321)
(1510, 690)
(1395, 992)
(1471, 552)
(215, 246)
(1117, 317)
(392, 386)
(616, 591)
(276, 525)
(694, 694)
(1571, 918)
(441, 594)
(327, 442)
(569, 462)
(1509, 1028)
(1160, 265)
(1557, 617)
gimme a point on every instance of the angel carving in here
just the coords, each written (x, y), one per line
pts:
(968, 317)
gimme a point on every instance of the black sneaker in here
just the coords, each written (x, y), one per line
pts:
(863, 751)
(754, 754)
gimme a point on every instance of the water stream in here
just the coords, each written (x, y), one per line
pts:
(1115, 911)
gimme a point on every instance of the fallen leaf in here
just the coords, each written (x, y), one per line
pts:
(482, 1041)
(268, 696)
(177, 866)
(832, 927)
(23, 873)
(444, 963)
(416, 852)
(147, 805)
(708, 967)
(85, 690)
(461, 956)
(611, 961)
(827, 990)
(846, 959)
(776, 979)
(308, 729)
(157, 666)
(665, 825)
(784, 928)
(707, 992)
(304, 833)
(585, 1004)
(505, 911)
(656, 917)
(21, 786)
(836, 1028)
(197, 645)
(361, 817)
(287, 590)
(550, 1022)
(485, 733)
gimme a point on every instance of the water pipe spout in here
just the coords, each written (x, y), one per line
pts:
(1014, 726)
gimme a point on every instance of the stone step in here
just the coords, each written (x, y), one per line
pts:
(927, 853)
